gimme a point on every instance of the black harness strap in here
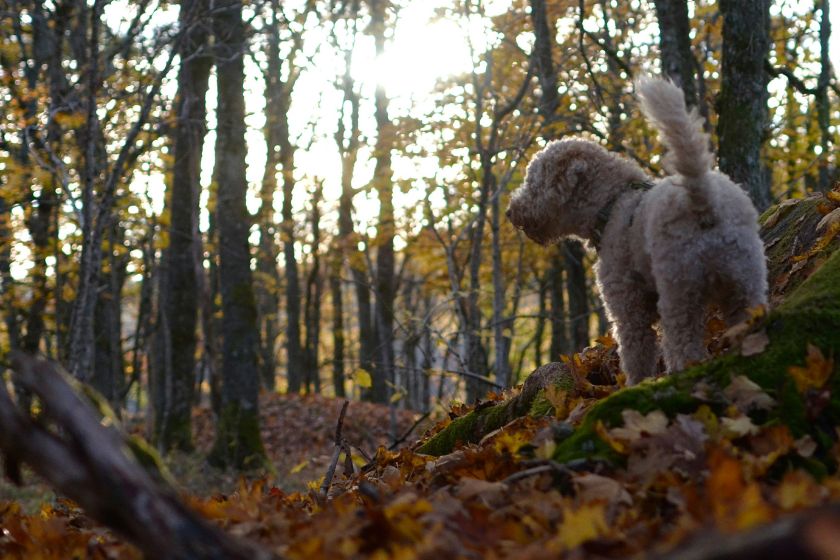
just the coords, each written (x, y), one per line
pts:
(603, 215)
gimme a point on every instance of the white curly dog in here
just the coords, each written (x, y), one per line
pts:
(666, 250)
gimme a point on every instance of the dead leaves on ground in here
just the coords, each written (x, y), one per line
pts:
(504, 497)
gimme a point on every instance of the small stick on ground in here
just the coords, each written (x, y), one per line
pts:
(404, 436)
(325, 486)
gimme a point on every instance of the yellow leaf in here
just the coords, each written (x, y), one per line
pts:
(299, 467)
(615, 444)
(584, 524)
(363, 378)
(396, 397)
(815, 373)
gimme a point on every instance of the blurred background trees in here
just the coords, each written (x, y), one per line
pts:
(199, 200)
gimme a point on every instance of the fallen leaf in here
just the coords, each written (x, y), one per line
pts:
(584, 524)
(738, 427)
(593, 487)
(637, 425)
(746, 395)
(816, 371)
(754, 343)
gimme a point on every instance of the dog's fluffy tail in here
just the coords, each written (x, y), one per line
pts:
(688, 145)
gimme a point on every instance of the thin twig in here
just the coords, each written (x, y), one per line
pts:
(407, 433)
(325, 486)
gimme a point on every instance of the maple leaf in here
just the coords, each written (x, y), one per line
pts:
(816, 371)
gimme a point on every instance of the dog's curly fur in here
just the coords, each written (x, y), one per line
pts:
(665, 253)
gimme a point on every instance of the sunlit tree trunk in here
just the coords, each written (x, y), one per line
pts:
(742, 105)
(348, 140)
(238, 440)
(383, 184)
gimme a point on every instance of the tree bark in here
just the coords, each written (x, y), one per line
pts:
(573, 254)
(821, 97)
(383, 378)
(742, 105)
(179, 299)
(678, 62)
(314, 292)
(238, 440)
(347, 139)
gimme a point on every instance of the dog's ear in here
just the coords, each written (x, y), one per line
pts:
(575, 170)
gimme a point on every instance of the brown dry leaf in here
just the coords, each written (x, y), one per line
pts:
(490, 493)
(829, 219)
(593, 487)
(637, 425)
(754, 343)
(736, 505)
(747, 395)
(816, 371)
(738, 427)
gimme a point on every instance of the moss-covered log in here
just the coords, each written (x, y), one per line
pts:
(474, 425)
(804, 276)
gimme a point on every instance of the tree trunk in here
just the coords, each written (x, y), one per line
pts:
(338, 326)
(268, 280)
(383, 378)
(578, 294)
(314, 292)
(348, 140)
(678, 62)
(179, 300)
(238, 440)
(821, 97)
(742, 105)
(108, 367)
(558, 314)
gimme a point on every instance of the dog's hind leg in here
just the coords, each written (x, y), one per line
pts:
(682, 314)
(745, 284)
(633, 312)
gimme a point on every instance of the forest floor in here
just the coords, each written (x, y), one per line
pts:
(298, 432)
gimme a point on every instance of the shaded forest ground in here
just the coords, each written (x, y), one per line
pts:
(297, 431)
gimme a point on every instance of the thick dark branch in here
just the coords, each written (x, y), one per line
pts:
(87, 462)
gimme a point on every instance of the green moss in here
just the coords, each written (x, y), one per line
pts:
(473, 426)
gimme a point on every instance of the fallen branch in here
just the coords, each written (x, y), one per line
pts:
(88, 462)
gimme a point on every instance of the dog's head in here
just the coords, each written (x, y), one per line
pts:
(552, 202)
